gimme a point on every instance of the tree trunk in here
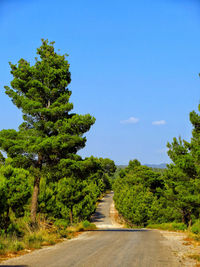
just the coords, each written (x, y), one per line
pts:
(71, 216)
(7, 219)
(186, 216)
(36, 189)
(35, 200)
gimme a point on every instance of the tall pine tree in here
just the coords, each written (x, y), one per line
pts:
(195, 141)
(49, 132)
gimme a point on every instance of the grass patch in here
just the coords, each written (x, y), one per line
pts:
(47, 234)
(195, 228)
(82, 226)
(10, 245)
(169, 226)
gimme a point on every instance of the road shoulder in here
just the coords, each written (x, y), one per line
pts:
(182, 246)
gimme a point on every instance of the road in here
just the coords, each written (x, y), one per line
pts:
(109, 246)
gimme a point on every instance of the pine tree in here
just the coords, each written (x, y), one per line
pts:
(49, 132)
(182, 177)
(195, 141)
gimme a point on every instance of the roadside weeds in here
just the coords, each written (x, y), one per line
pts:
(45, 235)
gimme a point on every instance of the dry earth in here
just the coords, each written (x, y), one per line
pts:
(182, 246)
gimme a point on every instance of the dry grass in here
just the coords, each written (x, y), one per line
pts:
(195, 257)
(47, 234)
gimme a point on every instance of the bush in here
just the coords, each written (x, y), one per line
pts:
(60, 223)
(169, 226)
(17, 246)
(86, 224)
(2, 246)
(34, 240)
(196, 227)
(179, 226)
(14, 229)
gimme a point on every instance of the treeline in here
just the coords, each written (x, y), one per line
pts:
(41, 174)
(144, 196)
(70, 199)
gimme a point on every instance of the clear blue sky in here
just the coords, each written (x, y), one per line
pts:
(134, 66)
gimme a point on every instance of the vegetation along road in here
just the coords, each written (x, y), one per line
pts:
(110, 245)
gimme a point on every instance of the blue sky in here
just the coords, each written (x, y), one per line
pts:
(134, 66)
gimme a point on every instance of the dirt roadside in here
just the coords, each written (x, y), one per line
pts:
(182, 246)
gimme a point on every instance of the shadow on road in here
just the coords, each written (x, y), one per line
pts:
(118, 230)
(98, 217)
(103, 199)
(14, 265)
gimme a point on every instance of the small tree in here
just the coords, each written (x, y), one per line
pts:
(182, 177)
(49, 132)
(15, 190)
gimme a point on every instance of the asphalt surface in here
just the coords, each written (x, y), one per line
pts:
(106, 247)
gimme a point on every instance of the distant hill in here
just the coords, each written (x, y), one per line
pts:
(157, 166)
(122, 166)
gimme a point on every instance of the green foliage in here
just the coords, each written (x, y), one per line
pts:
(144, 196)
(133, 164)
(15, 192)
(86, 224)
(2, 159)
(169, 226)
(137, 192)
(195, 228)
(42, 158)
(73, 197)
(108, 166)
(42, 169)
(50, 132)
(183, 176)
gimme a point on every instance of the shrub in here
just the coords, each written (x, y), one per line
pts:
(196, 227)
(17, 246)
(169, 226)
(34, 240)
(14, 229)
(61, 223)
(179, 226)
(86, 224)
(2, 247)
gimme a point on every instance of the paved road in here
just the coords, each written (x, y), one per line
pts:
(107, 247)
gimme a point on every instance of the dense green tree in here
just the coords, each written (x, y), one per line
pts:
(15, 191)
(182, 178)
(182, 194)
(50, 132)
(137, 192)
(133, 163)
(179, 153)
(195, 141)
(108, 166)
(2, 159)
(73, 197)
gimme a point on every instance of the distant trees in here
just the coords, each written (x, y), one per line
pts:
(136, 191)
(133, 163)
(144, 196)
